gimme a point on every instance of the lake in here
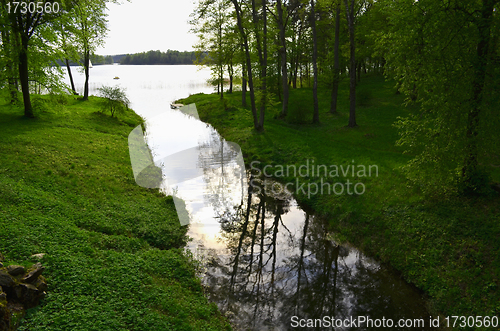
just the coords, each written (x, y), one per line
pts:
(265, 261)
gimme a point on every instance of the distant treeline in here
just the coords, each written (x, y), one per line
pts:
(151, 57)
(100, 59)
(157, 57)
(95, 59)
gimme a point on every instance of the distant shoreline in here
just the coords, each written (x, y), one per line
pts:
(119, 64)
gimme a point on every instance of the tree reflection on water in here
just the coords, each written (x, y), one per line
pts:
(279, 261)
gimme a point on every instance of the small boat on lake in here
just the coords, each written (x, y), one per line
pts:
(116, 77)
(176, 105)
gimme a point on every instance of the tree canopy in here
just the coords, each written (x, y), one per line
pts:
(443, 55)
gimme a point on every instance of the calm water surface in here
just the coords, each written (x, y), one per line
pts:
(264, 259)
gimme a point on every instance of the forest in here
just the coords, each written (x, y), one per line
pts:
(157, 57)
(443, 56)
(414, 85)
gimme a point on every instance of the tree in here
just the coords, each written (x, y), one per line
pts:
(336, 62)
(282, 23)
(8, 49)
(443, 56)
(248, 60)
(212, 24)
(349, 7)
(23, 27)
(260, 34)
(90, 19)
(115, 99)
(68, 46)
(315, 63)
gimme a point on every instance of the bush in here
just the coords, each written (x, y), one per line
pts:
(115, 99)
(59, 98)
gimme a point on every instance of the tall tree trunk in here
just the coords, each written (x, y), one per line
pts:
(221, 65)
(11, 79)
(352, 67)
(358, 71)
(231, 74)
(336, 63)
(248, 62)
(300, 75)
(68, 67)
(264, 67)
(297, 60)
(481, 61)
(279, 82)
(296, 72)
(221, 80)
(262, 61)
(315, 64)
(243, 87)
(308, 76)
(86, 67)
(23, 76)
(282, 51)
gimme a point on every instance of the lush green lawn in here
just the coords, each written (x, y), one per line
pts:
(114, 250)
(448, 247)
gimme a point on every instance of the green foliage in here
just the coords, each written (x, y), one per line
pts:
(115, 99)
(432, 50)
(157, 57)
(113, 249)
(300, 107)
(100, 59)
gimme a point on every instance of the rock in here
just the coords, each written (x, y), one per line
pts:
(6, 279)
(1, 265)
(41, 284)
(36, 270)
(16, 270)
(38, 256)
(27, 294)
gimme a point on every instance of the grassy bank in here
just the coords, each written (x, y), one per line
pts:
(114, 257)
(448, 247)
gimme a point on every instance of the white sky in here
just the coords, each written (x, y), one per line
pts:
(143, 25)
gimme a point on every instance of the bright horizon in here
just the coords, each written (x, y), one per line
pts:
(141, 26)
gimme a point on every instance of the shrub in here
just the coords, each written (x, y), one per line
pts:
(115, 99)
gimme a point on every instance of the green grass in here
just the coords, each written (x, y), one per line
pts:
(114, 253)
(448, 247)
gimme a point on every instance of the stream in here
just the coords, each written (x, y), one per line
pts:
(267, 263)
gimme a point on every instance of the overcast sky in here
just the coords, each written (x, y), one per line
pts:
(143, 25)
